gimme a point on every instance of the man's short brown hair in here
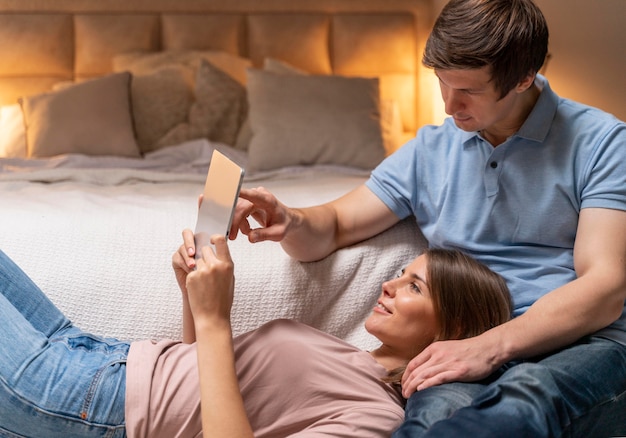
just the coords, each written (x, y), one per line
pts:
(509, 36)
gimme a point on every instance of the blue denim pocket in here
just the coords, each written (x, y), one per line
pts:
(79, 340)
(77, 382)
(103, 363)
(106, 395)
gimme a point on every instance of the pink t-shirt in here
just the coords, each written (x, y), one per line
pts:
(295, 381)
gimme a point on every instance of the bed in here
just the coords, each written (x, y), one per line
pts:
(110, 113)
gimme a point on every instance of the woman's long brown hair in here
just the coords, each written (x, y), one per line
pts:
(467, 296)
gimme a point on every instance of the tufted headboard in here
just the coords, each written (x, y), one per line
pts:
(44, 42)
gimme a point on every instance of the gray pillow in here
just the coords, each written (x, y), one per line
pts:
(306, 120)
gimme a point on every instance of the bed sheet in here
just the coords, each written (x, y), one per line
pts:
(97, 236)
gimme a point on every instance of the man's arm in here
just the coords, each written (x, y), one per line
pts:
(309, 234)
(591, 302)
(596, 298)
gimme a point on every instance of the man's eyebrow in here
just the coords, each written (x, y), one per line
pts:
(471, 90)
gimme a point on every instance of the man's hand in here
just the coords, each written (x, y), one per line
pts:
(465, 360)
(272, 216)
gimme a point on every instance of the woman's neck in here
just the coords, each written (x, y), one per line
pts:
(389, 359)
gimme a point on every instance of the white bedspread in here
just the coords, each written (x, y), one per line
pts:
(97, 235)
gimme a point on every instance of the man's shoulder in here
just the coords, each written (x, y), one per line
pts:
(584, 127)
(572, 110)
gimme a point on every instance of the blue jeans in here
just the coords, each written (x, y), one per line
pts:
(55, 380)
(579, 391)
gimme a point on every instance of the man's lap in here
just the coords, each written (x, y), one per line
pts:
(578, 391)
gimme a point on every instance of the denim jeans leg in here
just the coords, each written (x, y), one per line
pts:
(28, 299)
(579, 391)
(55, 380)
(425, 408)
(593, 386)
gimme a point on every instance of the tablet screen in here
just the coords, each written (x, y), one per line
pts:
(219, 198)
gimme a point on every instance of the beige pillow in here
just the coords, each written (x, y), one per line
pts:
(160, 100)
(305, 120)
(92, 117)
(12, 134)
(218, 111)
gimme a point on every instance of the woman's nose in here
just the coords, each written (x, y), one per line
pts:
(389, 288)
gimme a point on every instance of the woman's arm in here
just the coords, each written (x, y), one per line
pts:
(210, 291)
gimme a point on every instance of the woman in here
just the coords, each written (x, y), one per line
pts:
(283, 379)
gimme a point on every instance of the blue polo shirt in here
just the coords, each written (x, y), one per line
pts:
(514, 207)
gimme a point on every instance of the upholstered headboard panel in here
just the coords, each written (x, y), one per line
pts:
(46, 42)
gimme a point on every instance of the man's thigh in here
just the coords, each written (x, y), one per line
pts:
(578, 391)
(591, 378)
(427, 407)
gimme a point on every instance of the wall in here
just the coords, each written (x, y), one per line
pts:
(588, 48)
(588, 51)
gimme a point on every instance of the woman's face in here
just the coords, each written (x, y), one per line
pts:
(404, 318)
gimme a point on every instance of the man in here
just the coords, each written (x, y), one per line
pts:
(531, 184)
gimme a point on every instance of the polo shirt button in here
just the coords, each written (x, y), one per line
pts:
(494, 164)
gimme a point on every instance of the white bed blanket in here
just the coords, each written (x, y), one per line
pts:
(97, 236)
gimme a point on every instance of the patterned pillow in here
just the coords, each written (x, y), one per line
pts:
(161, 100)
(144, 63)
(218, 111)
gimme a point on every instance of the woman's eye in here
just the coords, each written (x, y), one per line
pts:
(415, 288)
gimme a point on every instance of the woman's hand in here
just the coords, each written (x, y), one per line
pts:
(273, 217)
(183, 260)
(210, 288)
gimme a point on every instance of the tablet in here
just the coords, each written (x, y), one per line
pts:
(219, 199)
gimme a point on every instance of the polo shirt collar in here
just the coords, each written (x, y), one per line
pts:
(540, 119)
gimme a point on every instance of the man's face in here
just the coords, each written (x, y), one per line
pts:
(472, 100)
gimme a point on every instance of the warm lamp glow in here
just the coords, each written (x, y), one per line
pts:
(439, 109)
(7, 97)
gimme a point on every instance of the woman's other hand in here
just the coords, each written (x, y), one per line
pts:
(210, 287)
(183, 260)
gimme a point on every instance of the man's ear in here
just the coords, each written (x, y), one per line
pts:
(526, 83)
